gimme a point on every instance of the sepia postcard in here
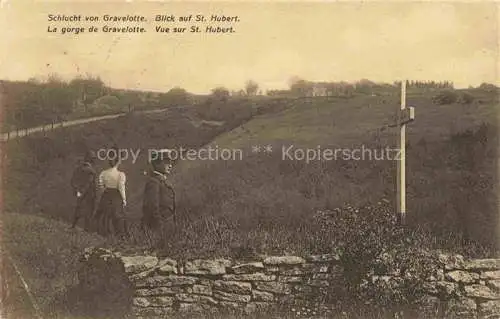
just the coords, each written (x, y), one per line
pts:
(249, 159)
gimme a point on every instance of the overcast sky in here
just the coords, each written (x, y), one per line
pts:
(318, 41)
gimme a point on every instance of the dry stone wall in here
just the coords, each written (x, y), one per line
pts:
(151, 287)
(458, 288)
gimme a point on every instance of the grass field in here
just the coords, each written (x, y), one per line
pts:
(446, 162)
(46, 253)
(451, 174)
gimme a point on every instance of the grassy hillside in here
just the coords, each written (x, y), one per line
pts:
(38, 168)
(264, 202)
(261, 203)
(46, 253)
(451, 174)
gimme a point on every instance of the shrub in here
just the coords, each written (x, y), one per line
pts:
(445, 97)
(382, 261)
(466, 98)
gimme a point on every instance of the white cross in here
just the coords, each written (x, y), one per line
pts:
(405, 115)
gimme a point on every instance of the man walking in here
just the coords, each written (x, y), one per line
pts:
(159, 196)
(83, 182)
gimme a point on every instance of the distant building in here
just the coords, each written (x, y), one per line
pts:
(319, 90)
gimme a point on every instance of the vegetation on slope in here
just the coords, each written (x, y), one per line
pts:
(264, 204)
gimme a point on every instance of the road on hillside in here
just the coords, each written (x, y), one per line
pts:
(48, 127)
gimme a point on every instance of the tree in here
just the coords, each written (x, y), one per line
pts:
(251, 87)
(176, 96)
(220, 93)
(57, 98)
(29, 107)
(88, 89)
(365, 86)
(488, 87)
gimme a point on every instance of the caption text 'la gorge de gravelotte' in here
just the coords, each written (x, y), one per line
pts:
(77, 24)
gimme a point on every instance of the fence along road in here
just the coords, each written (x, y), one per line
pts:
(49, 127)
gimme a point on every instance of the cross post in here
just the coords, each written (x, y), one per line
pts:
(405, 115)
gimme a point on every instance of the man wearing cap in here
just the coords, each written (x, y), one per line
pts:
(83, 182)
(159, 196)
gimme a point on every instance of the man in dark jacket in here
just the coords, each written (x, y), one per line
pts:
(159, 196)
(84, 186)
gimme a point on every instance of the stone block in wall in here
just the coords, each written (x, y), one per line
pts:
(258, 295)
(236, 287)
(166, 281)
(250, 277)
(206, 266)
(291, 279)
(202, 289)
(489, 309)
(462, 276)
(303, 269)
(199, 299)
(483, 264)
(325, 258)
(142, 275)
(138, 264)
(167, 266)
(318, 283)
(248, 268)
(284, 260)
(294, 271)
(160, 291)
(461, 308)
(227, 296)
(153, 301)
(495, 274)
(274, 287)
(451, 262)
(481, 292)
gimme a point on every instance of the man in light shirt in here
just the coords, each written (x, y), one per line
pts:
(111, 209)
